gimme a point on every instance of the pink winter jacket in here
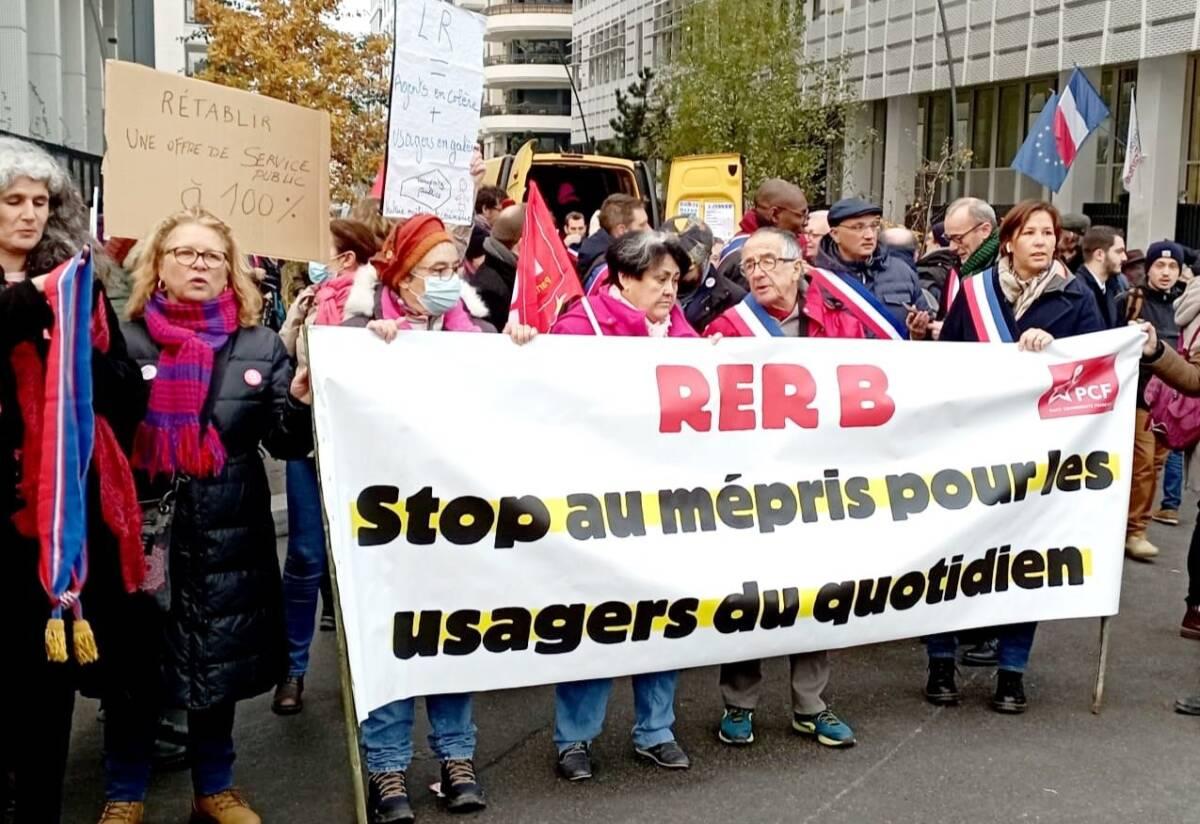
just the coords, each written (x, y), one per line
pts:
(616, 319)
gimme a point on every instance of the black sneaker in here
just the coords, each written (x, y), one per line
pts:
(669, 755)
(575, 762)
(328, 622)
(940, 689)
(387, 798)
(981, 655)
(1010, 693)
(460, 786)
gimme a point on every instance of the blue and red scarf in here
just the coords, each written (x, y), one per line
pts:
(169, 439)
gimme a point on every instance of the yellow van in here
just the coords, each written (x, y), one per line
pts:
(706, 187)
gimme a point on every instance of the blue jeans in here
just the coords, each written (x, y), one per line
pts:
(1173, 481)
(387, 732)
(1016, 640)
(580, 706)
(305, 563)
(129, 731)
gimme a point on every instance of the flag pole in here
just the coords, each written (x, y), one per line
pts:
(1101, 664)
(953, 124)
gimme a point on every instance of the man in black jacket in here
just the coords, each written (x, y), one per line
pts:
(1103, 256)
(619, 214)
(494, 279)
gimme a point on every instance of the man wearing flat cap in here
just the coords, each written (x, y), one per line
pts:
(852, 249)
(1070, 250)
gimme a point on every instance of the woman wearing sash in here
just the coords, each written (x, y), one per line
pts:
(1028, 297)
(779, 305)
(638, 300)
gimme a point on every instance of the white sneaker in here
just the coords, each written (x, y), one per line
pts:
(1138, 548)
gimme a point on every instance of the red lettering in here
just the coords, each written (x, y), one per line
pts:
(865, 401)
(788, 393)
(682, 394)
(735, 383)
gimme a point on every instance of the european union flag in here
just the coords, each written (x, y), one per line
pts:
(1038, 156)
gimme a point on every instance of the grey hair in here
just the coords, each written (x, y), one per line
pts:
(635, 252)
(979, 210)
(897, 237)
(789, 245)
(67, 229)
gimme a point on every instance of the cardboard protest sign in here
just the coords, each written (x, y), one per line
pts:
(433, 120)
(662, 504)
(259, 164)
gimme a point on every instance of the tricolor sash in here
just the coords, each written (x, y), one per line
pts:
(984, 303)
(735, 244)
(595, 280)
(951, 290)
(859, 301)
(752, 320)
(68, 433)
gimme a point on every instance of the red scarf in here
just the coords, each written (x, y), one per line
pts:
(169, 439)
(331, 298)
(118, 496)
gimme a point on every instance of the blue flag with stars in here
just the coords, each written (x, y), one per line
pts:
(1039, 157)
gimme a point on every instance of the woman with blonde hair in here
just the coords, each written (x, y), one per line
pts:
(221, 386)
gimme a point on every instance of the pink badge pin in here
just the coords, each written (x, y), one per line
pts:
(252, 377)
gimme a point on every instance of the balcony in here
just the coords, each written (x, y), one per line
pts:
(525, 117)
(473, 5)
(528, 21)
(525, 71)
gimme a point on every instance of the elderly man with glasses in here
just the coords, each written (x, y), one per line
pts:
(852, 249)
(974, 234)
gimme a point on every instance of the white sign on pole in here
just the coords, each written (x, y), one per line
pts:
(655, 505)
(433, 119)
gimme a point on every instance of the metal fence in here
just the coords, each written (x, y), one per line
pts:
(83, 167)
(529, 8)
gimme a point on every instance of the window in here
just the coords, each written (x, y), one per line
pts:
(606, 62)
(189, 11)
(666, 29)
(1192, 124)
(195, 57)
(1116, 87)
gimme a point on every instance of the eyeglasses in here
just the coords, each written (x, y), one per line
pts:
(862, 228)
(959, 238)
(803, 215)
(440, 272)
(186, 256)
(766, 264)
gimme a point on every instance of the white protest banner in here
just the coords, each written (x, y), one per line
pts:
(579, 507)
(259, 164)
(433, 120)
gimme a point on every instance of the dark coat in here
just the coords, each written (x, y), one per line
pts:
(892, 281)
(712, 296)
(225, 631)
(1148, 304)
(1064, 312)
(119, 395)
(934, 269)
(592, 251)
(493, 281)
(1106, 297)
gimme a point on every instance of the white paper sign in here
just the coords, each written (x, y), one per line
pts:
(719, 217)
(433, 120)
(660, 504)
(690, 208)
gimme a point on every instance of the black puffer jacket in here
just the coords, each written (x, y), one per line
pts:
(225, 632)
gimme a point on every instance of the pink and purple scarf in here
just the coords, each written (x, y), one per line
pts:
(169, 439)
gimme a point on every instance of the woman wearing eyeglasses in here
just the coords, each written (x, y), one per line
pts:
(415, 284)
(220, 386)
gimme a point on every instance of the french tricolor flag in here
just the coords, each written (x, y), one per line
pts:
(1080, 112)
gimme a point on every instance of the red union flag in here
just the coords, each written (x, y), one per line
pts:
(546, 276)
(1086, 387)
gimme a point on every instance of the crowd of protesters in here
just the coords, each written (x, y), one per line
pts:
(184, 596)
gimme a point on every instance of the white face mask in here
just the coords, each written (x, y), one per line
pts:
(441, 295)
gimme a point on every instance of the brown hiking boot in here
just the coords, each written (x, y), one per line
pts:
(1170, 517)
(1190, 628)
(122, 812)
(226, 807)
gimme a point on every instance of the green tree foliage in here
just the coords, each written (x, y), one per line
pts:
(633, 126)
(741, 83)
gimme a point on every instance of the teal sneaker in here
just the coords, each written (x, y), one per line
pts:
(737, 727)
(826, 727)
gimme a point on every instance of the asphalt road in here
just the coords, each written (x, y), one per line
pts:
(1136, 762)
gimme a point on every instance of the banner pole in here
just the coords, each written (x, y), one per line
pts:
(1102, 664)
(348, 712)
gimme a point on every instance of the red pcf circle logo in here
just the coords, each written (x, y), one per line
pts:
(1086, 387)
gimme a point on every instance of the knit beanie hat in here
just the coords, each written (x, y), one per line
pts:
(1164, 249)
(405, 246)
